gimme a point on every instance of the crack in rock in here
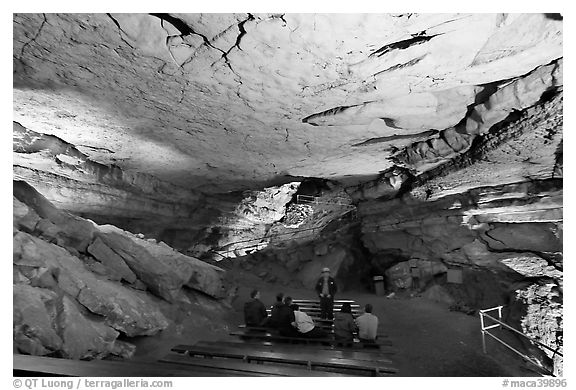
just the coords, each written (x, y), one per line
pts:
(417, 39)
(96, 148)
(34, 37)
(186, 30)
(395, 137)
(332, 111)
(400, 66)
(240, 36)
(120, 30)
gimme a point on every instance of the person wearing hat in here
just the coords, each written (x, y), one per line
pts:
(326, 289)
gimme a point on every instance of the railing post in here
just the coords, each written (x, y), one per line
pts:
(483, 331)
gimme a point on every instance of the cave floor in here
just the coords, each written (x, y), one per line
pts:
(432, 341)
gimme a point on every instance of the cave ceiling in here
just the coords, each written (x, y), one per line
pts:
(224, 102)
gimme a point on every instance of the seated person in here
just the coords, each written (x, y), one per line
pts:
(344, 325)
(305, 324)
(272, 320)
(286, 318)
(254, 310)
(367, 325)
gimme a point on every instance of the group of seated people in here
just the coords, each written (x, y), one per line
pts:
(287, 318)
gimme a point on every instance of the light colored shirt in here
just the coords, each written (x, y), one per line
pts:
(303, 322)
(367, 326)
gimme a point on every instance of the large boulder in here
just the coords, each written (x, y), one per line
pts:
(115, 265)
(161, 268)
(531, 266)
(84, 336)
(130, 311)
(438, 293)
(33, 314)
(541, 237)
(24, 217)
(47, 323)
(67, 229)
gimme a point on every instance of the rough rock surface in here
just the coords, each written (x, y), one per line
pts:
(222, 101)
(72, 305)
(124, 309)
(82, 337)
(161, 268)
(62, 227)
(444, 129)
(466, 228)
(494, 238)
(538, 308)
(33, 330)
(245, 228)
(106, 193)
(118, 270)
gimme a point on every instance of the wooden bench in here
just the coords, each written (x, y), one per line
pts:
(25, 365)
(310, 360)
(269, 336)
(336, 301)
(315, 317)
(339, 353)
(234, 366)
(327, 329)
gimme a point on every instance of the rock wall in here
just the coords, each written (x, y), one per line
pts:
(487, 246)
(79, 286)
(300, 264)
(138, 202)
(244, 227)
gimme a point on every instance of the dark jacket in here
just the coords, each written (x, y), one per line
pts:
(273, 319)
(344, 326)
(254, 313)
(332, 288)
(285, 317)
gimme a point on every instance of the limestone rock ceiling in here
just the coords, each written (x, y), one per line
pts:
(222, 102)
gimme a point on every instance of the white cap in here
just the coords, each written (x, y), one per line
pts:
(325, 269)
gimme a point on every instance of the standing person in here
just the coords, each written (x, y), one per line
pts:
(305, 324)
(344, 325)
(367, 325)
(286, 318)
(326, 289)
(254, 310)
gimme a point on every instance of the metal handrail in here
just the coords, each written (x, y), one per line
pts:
(499, 323)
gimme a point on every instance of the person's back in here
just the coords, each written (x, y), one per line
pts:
(254, 311)
(274, 318)
(305, 324)
(286, 318)
(303, 321)
(367, 325)
(344, 325)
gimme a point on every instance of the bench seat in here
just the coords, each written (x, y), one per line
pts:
(310, 360)
(26, 365)
(328, 329)
(342, 353)
(235, 366)
(266, 335)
